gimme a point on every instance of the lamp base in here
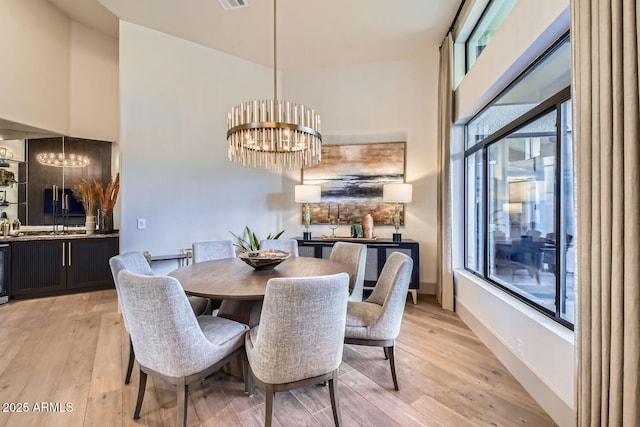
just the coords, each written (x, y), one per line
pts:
(397, 237)
(306, 235)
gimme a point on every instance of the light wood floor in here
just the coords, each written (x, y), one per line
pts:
(73, 350)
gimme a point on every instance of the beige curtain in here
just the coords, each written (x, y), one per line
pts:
(445, 118)
(606, 116)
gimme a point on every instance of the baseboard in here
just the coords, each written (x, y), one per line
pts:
(428, 288)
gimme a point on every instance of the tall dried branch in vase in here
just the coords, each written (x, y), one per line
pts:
(108, 197)
(107, 200)
(86, 193)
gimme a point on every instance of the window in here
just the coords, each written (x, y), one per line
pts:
(492, 17)
(519, 189)
(474, 212)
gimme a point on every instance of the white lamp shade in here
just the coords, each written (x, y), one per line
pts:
(397, 193)
(307, 193)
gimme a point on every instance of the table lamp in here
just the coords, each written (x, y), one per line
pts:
(307, 194)
(397, 193)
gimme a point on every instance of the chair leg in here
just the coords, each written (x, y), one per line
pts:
(249, 385)
(392, 362)
(127, 378)
(141, 387)
(335, 405)
(181, 413)
(386, 353)
(268, 413)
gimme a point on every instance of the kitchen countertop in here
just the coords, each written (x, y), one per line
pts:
(42, 235)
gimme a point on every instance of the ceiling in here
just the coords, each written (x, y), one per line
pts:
(310, 33)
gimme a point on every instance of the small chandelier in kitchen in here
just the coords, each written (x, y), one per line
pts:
(273, 134)
(63, 160)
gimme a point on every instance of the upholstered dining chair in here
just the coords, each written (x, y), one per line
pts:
(376, 321)
(299, 340)
(354, 254)
(209, 251)
(213, 249)
(287, 245)
(170, 343)
(136, 262)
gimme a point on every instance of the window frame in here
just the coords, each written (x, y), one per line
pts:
(484, 13)
(553, 103)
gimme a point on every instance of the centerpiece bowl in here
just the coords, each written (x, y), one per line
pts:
(264, 259)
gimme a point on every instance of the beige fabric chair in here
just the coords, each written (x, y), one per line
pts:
(214, 249)
(170, 343)
(299, 340)
(136, 262)
(354, 254)
(287, 245)
(209, 251)
(376, 321)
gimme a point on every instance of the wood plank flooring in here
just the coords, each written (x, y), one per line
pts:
(62, 359)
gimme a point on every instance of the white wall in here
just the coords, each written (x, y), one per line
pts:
(94, 103)
(394, 101)
(546, 367)
(56, 74)
(174, 92)
(34, 76)
(175, 96)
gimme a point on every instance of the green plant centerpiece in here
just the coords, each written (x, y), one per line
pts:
(251, 242)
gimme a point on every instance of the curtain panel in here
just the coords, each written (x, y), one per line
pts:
(607, 143)
(445, 122)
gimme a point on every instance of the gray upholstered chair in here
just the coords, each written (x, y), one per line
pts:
(214, 249)
(354, 254)
(136, 262)
(300, 338)
(170, 343)
(287, 245)
(376, 321)
(209, 251)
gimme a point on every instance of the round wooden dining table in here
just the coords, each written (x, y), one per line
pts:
(241, 287)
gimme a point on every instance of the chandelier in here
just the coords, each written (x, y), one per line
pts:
(273, 134)
(63, 160)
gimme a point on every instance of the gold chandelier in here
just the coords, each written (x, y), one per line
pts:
(63, 160)
(274, 134)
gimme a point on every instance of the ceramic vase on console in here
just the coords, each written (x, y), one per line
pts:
(367, 226)
(90, 224)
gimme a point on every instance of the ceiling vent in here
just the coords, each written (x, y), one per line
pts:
(233, 4)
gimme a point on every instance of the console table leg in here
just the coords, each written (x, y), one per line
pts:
(414, 295)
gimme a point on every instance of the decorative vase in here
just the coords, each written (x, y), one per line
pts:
(367, 226)
(90, 224)
(105, 221)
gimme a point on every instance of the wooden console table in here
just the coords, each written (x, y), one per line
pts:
(377, 253)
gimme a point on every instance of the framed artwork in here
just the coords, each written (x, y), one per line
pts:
(351, 177)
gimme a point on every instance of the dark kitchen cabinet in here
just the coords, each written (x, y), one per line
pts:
(58, 266)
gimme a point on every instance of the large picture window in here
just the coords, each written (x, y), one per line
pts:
(519, 232)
